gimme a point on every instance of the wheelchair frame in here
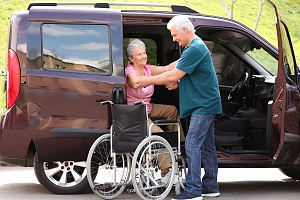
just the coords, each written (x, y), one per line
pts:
(109, 171)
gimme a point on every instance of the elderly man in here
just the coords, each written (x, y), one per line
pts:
(199, 98)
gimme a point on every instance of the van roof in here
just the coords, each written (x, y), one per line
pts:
(178, 8)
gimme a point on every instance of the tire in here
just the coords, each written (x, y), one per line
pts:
(51, 176)
(146, 174)
(102, 178)
(293, 173)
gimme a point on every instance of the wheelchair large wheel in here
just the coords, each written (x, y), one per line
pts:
(147, 162)
(106, 182)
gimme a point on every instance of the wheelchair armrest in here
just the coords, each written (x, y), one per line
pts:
(165, 121)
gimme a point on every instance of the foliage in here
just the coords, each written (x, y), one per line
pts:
(244, 12)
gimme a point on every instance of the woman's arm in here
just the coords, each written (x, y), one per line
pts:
(161, 69)
(161, 79)
(132, 80)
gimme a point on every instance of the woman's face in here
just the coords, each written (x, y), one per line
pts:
(139, 57)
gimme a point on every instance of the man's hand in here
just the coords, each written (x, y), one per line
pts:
(172, 85)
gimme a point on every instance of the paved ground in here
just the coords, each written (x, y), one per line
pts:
(235, 184)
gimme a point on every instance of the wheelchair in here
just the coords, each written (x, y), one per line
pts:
(132, 155)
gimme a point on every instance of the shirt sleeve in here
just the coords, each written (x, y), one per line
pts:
(129, 69)
(189, 60)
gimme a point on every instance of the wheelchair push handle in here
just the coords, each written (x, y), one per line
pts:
(104, 102)
(111, 103)
(138, 103)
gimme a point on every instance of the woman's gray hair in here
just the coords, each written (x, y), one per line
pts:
(132, 45)
(181, 21)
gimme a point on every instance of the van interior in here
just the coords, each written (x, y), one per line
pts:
(244, 126)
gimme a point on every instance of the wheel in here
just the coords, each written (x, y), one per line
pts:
(293, 173)
(180, 186)
(146, 173)
(182, 173)
(67, 177)
(102, 178)
(238, 87)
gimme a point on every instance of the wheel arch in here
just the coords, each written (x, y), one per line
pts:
(30, 154)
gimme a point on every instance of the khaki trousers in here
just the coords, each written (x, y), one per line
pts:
(167, 112)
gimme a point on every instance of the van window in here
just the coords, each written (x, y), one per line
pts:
(227, 66)
(76, 47)
(261, 56)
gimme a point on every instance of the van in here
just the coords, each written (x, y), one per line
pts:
(62, 57)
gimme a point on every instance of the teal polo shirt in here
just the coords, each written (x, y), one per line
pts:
(198, 88)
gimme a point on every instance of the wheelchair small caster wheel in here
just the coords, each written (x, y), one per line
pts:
(130, 191)
(179, 187)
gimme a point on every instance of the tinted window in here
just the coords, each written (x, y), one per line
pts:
(227, 66)
(76, 47)
(290, 68)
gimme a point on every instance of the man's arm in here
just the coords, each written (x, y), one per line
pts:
(161, 79)
(161, 69)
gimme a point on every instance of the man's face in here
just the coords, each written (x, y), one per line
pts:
(178, 36)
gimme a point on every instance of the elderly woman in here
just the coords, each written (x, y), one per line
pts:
(136, 54)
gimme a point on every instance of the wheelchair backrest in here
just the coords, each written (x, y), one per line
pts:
(129, 127)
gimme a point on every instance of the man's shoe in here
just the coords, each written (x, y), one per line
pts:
(211, 194)
(187, 196)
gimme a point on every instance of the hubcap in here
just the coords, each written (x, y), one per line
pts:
(65, 174)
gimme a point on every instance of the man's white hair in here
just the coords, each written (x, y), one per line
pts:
(181, 21)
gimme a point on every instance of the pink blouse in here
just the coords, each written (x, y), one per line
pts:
(139, 94)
